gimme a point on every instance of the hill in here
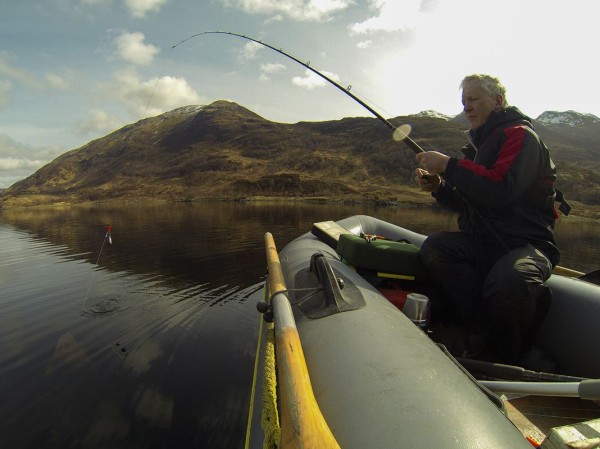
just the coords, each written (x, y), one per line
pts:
(226, 151)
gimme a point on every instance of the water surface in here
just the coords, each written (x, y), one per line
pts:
(150, 342)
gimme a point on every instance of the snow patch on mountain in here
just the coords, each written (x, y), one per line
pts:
(433, 114)
(570, 118)
(183, 110)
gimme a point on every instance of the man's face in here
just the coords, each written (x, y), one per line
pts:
(477, 104)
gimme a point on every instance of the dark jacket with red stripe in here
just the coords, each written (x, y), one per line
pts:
(507, 179)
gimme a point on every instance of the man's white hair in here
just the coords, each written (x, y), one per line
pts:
(490, 84)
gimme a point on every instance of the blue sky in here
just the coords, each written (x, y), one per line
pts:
(75, 70)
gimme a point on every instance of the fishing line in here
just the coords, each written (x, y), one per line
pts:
(151, 96)
(255, 374)
(107, 238)
(153, 91)
(347, 90)
(402, 131)
(371, 101)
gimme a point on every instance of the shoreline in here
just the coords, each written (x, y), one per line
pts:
(579, 210)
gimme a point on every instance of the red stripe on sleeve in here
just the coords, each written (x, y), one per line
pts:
(509, 151)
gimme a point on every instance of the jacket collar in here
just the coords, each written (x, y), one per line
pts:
(508, 116)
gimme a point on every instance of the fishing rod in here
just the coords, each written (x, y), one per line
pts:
(399, 133)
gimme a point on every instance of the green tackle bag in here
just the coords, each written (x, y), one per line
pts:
(385, 258)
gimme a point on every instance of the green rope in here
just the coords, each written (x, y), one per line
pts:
(270, 417)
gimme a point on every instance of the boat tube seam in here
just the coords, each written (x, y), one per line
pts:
(490, 394)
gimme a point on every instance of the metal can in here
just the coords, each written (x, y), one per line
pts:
(416, 308)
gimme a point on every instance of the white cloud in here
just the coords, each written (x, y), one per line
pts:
(269, 69)
(272, 67)
(97, 122)
(364, 44)
(131, 48)
(426, 67)
(10, 147)
(5, 88)
(249, 51)
(303, 10)
(311, 80)
(152, 97)
(139, 8)
(390, 16)
(18, 161)
(56, 81)
(27, 79)
(13, 170)
(274, 19)
(95, 2)
(10, 164)
(22, 76)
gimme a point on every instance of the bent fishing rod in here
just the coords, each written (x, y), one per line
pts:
(399, 133)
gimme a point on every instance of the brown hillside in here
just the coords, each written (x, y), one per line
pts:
(223, 150)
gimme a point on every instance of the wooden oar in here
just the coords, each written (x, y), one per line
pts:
(592, 277)
(302, 423)
(567, 272)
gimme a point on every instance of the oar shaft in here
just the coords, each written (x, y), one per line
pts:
(302, 423)
(567, 272)
(276, 279)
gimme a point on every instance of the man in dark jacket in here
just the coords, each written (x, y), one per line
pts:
(493, 270)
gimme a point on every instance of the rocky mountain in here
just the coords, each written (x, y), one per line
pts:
(433, 114)
(224, 150)
(569, 118)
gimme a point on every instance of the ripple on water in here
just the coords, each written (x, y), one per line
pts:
(102, 306)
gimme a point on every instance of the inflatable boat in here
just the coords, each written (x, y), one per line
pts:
(358, 364)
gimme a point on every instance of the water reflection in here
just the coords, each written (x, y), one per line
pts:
(189, 241)
(151, 342)
(134, 358)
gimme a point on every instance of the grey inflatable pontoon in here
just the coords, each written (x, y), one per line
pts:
(381, 382)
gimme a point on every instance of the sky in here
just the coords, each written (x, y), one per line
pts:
(75, 70)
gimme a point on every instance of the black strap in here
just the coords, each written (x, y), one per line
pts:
(564, 207)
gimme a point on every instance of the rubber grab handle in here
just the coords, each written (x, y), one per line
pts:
(589, 389)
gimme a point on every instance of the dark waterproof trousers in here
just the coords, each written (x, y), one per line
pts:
(492, 290)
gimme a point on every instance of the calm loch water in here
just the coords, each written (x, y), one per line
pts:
(150, 342)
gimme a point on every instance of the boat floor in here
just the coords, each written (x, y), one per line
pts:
(535, 416)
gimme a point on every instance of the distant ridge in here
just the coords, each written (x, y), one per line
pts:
(570, 118)
(224, 150)
(433, 114)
